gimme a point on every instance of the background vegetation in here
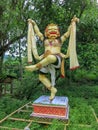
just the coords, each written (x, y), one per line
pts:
(79, 85)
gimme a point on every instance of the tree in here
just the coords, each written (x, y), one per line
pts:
(13, 24)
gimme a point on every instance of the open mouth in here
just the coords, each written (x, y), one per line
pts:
(53, 33)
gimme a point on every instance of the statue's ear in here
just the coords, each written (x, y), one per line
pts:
(46, 32)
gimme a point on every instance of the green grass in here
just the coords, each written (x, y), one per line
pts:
(83, 101)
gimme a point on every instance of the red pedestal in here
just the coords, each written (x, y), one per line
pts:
(58, 108)
(48, 109)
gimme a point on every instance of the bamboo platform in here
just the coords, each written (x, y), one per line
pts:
(29, 121)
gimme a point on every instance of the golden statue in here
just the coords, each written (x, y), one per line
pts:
(52, 58)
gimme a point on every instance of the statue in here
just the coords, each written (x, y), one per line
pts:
(52, 58)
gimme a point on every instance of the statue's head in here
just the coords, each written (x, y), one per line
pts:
(52, 31)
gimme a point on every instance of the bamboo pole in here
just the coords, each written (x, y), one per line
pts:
(81, 125)
(29, 106)
(25, 111)
(94, 114)
(65, 127)
(19, 119)
(30, 121)
(29, 124)
(9, 128)
(42, 122)
(13, 113)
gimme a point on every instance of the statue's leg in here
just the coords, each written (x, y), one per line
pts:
(48, 85)
(45, 81)
(46, 61)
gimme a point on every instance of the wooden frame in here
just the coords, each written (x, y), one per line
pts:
(25, 109)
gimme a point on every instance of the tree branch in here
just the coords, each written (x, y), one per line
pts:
(5, 48)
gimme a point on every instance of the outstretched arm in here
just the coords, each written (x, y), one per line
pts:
(67, 34)
(36, 29)
(31, 42)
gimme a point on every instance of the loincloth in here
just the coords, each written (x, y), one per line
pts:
(51, 68)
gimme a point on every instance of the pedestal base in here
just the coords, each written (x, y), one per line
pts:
(46, 110)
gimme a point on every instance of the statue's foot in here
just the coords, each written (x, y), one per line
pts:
(30, 68)
(53, 92)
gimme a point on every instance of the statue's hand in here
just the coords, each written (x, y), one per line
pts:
(41, 57)
(31, 21)
(75, 19)
(64, 56)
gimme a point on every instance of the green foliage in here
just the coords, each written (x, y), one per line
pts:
(8, 105)
(56, 125)
(11, 21)
(82, 110)
(13, 124)
(87, 56)
(85, 76)
(28, 86)
(81, 128)
(11, 67)
(89, 25)
(81, 101)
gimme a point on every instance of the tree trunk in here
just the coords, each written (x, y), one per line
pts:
(20, 60)
(1, 64)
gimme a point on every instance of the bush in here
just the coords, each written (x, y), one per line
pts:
(85, 76)
(28, 86)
